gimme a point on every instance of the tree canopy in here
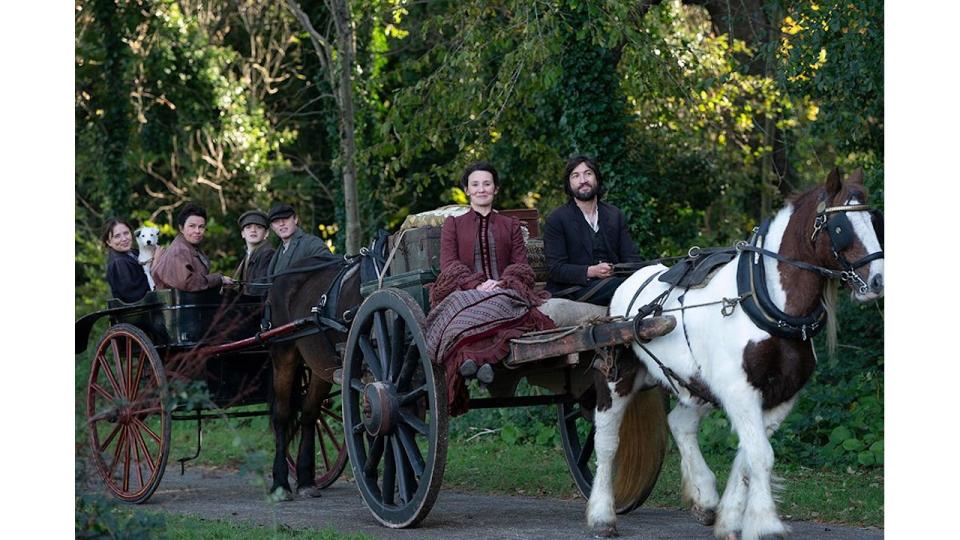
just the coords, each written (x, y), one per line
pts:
(702, 116)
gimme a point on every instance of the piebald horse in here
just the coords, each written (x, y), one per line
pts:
(742, 343)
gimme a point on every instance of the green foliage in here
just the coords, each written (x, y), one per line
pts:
(98, 517)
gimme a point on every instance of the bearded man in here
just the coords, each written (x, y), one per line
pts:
(585, 238)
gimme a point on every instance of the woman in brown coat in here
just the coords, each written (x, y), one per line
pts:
(484, 295)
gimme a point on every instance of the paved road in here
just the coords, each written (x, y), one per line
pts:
(228, 495)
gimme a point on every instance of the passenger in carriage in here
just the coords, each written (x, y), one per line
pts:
(255, 266)
(126, 277)
(182, 265)
(295, 244)
(484, 295)
(585, 238)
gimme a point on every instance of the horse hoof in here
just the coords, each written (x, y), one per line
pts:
(704, 516)
(485, 374)
(776, 536)
(308, 492)
(605, 531)
(280, 495)
(468, 369)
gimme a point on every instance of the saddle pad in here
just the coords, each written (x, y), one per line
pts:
(695, 272)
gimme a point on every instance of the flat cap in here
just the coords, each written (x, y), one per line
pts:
(253, 216)
(280, 210)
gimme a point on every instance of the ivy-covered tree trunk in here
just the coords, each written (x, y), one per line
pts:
(115, 105)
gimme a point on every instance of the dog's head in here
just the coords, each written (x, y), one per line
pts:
(147, 237)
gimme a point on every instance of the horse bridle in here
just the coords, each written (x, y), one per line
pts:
(840, 230)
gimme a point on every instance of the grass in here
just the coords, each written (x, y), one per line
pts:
(850, 497)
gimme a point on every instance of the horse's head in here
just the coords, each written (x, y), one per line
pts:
(847, 235)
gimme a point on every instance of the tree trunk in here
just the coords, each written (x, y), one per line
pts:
(348, 144)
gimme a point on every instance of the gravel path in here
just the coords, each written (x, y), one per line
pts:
(228, 495)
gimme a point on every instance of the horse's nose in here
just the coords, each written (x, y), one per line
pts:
(876, 283)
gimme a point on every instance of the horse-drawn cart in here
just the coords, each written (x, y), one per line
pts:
(394, 402)
(395, 398)
(140, 372)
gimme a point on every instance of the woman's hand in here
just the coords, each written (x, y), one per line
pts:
(488, 285)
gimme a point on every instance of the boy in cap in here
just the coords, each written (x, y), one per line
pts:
(296, 244)
(254, 267)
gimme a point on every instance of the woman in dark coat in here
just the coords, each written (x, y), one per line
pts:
(125, 276)
(484, 295)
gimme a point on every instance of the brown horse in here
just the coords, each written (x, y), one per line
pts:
(294, 294)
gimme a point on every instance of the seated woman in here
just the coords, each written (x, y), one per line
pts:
(126, 277)
(484, 295)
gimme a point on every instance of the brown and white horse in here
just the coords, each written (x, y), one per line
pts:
(747, 350)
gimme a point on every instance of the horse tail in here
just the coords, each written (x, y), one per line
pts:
(830, 306)
(643, 444)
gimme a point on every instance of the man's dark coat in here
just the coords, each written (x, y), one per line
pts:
(568, 243)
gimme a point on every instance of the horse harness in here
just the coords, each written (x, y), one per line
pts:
(753, 295)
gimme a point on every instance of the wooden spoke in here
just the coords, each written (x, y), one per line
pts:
(121, 442)
(323, 454)
(397, 337)
(142, 444)
(99, 389)
(413, 395)
(373, 458)
(405, 483)
(572, 415)
(389, 472)
(418, 425)
(410, 449)
(135, 381)
(126, 464)
(105, 369)
(372, 362)
(115, 349)
(331, 413)
(325, 427)
(146, 428)
(410, 363)
(113, 433)
(587, 449)
(383, 343)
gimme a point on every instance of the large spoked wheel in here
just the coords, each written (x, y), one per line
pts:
(128, 413)
(394, 410)
(640, 454)
(331, 452)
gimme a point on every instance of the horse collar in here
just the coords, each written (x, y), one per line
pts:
(752, 288)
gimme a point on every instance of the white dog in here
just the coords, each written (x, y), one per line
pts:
(147, 240)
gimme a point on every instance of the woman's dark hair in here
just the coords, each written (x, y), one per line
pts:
(108, 229)
(575, 162)
(479, 166)
(190, 209)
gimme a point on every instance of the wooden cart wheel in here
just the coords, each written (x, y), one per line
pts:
(331, 452)
(394, 410)
(128, 413)
(643, 445)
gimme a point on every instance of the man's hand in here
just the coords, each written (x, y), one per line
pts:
(227, 281)
(488, 285)
(602, 270)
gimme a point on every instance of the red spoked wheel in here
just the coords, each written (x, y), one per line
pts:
(128, 413)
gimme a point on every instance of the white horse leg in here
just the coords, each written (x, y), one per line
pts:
(698, 485)
(735, 494)
(601, 514)
(753, 465)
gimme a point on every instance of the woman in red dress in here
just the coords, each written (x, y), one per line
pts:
(484, 295)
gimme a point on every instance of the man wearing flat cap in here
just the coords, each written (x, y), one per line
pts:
(296, 244)
(255, 266)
